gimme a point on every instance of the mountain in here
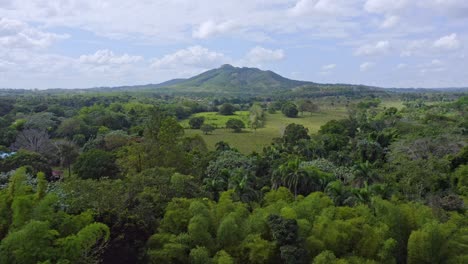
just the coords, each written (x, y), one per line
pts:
(168, 83)
(230, 79)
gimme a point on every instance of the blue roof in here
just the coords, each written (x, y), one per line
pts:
(6, 154)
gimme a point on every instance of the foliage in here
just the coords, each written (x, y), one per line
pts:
(38, 232)
(293, 133)
(235, 124)
(96, 164)
(207, 129)
(226, 109)
(196, 122)
(289, 110)
(368, 177)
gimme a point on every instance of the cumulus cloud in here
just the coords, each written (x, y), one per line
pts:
(259, 55)
(15, 34)
(194, 56)
(428, 47)
(328, 67)
(457, 8)
(29, 30)
(390, 22)
(108, 57)
(414, 47)
(385, 6)
(449, 42)
(379, 48)
(324, 7)
(434, 65)
(401, 66)
(210, 28)
(366, 66)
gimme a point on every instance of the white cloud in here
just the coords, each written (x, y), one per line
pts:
(390, 22)
(366, 66)
(429, 70)
(385, 6)
(324, 7)
(328, 67)
(414, 47)
(427, 47)
(15, 34)
(108, 57)
(210, 28)
(449, 42)
(308, 29)
(457, 8)
(380, 48)
(260, 55)
(194, 57)
(434, 65)
(401, 66)
(436, 62)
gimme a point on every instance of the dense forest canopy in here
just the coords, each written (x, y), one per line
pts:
(129, 177)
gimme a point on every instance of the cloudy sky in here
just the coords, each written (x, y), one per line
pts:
(88, 43)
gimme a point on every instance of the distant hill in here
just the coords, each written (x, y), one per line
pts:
(167, 83)
(243, 81)
(229, 79)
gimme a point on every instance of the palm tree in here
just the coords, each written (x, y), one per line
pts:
(363, 174)
(241, 183)
(338, 192)
(214, 185)
(290, 174)
(67, 152)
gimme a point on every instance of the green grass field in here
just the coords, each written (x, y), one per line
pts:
(250, 140)
(392, 103)
(217, 120)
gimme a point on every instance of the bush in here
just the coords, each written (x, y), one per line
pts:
(235, 124)
(290, 110)
(196, 122)
(226, 109)
(206, 128)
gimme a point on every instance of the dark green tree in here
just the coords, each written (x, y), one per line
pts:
(227, 109)
(293, 133)
(207, 128)
(235, 124)
(96, 164)
(196, 122)
(289, 110)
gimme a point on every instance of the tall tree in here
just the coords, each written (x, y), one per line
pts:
(67, 152)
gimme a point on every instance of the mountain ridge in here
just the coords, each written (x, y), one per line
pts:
(228, 78)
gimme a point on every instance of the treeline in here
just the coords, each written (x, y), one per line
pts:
(119, 182)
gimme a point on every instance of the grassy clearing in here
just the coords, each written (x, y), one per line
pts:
(250, 140)
(392, 103)
(217, 120)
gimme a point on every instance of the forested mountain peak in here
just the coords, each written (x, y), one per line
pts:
(230, 79)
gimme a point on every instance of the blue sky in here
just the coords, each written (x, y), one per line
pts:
(88, 43)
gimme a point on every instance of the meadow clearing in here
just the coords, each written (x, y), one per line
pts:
(250, 140)
(254, 140)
